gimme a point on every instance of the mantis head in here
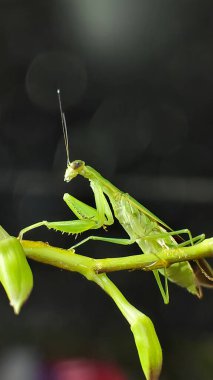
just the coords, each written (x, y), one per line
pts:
(73, 169)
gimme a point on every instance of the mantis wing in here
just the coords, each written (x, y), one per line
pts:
(201, 268)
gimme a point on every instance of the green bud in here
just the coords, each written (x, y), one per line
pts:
(15, 273)
(148, 346)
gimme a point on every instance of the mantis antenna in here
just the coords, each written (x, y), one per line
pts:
(64, 126)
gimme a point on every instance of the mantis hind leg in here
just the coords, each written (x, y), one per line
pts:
(192, 240)
(164, 290)
(206, 271)
(196, 240)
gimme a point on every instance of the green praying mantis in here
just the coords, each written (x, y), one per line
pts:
(143, 227)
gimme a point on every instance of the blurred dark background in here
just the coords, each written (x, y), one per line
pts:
(137, 87)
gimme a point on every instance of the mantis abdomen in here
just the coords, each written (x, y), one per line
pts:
(151, 238)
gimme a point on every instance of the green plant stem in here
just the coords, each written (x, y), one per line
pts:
(67, 259)
(58, 257)
(87, 266)
(146, 340)
(164, 259)
(128, 311)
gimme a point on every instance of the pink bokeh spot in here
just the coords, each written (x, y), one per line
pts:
(85, 369)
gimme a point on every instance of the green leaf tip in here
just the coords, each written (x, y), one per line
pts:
(3, 234)
(148, 346)
(15, 273)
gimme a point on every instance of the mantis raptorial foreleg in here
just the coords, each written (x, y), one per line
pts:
(104, 213)
(70, 227)
(101, 215)
(88, 217)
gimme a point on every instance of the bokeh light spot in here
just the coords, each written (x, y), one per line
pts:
(53, 70)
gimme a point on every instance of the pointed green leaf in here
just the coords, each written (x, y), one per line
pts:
(15, 273)
(148, 346)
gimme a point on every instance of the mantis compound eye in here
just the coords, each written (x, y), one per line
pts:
(77, 164)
